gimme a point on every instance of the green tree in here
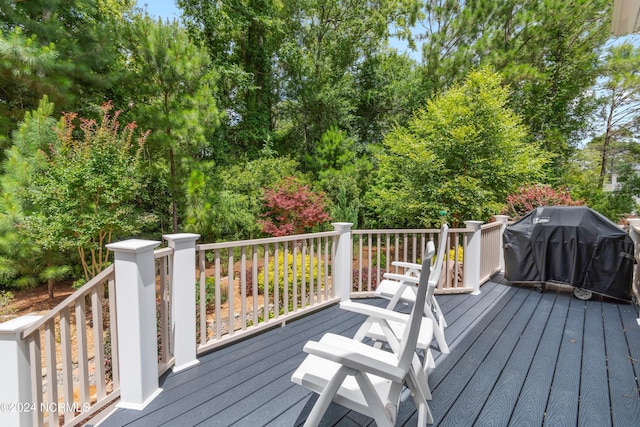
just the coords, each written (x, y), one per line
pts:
(86, 196)
(175, 86)
(388, 90)
(23, 261)
(242, 39)
(21, 60)
(464, 152)
(341, 172)
(583, 178)
(325, 43)
(547, 51)
(621, 111)
(226, 204)
(64, 49)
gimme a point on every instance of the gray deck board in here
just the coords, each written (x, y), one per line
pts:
(594, 395)
(532, 399)
(518, 357)
(625, 406)
(562, 407)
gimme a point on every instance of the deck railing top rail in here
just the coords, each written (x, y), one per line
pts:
(268, 240)
(71, 299)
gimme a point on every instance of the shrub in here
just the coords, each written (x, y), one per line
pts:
(530, 197)
(210, 291)
(365, 278)
(460, 255)
(293, 208)
(6, 298)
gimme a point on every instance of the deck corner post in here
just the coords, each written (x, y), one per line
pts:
(135, 279)
(183, 299)
(502, 219)
(16, 396)
(472, 255)
(635, 236)
(343, 261)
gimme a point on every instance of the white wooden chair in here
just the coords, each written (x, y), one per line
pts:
(366, 379)
(386, 328)
(397, 288)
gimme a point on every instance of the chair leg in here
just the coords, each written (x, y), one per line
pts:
(436, 308)
(420, 377)
(429, 364)
(420, 399)
(383, 414)
(325, 398)
(438, 331)
(442, 342)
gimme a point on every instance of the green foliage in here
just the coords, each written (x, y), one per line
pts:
(226, 205)
(20, 58)
(341, 173)
(86, 196)
(388, 91)
(23, 260)
(216, 216)
(321, 48)
(620, 113)
(464, 152)
(242, 39)
(6, 298)
(210, 292)
(616, 204)
(547, 52)
(174, 86)
(64, 49)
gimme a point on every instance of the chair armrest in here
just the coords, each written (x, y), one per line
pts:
(402, 278)
(409, 265)
(373, 311)
(357, 358)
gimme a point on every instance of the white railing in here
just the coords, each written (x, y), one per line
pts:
(202, 297)
(163, 273)
(247, 286)
(74, 366)
(491, 251)
(376, 250)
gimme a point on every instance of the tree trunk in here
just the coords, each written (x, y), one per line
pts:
(50, 287)
(605, 145)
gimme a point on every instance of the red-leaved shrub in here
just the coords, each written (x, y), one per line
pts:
(530, 197)
(293, 208)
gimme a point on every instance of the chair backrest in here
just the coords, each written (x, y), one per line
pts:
(410, 336)
(436, 268)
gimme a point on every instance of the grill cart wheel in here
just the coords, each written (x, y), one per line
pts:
(582, 294)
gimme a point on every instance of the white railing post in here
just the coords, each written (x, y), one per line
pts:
(472, 255)
(135, 278)
(343, 261)
(503, 220)
(633, 223)
(16, 400)
(183, 299)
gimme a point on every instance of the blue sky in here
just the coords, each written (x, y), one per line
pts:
(160, 8)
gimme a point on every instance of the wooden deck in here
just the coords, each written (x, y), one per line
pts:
(518, 357)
